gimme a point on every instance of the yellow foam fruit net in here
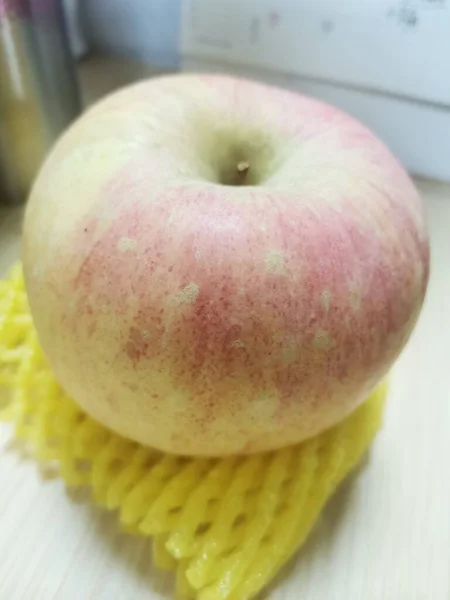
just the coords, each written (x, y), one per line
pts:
(225, 526)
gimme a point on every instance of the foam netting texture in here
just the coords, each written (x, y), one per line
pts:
(225, 526)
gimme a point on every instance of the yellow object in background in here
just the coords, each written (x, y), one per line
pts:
(225, 526)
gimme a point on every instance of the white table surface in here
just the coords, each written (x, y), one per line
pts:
(384, 536)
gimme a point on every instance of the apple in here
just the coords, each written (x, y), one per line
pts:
(217, 266)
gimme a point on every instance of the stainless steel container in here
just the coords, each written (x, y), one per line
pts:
(38, 90)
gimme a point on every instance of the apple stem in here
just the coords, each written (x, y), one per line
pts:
(242, 170)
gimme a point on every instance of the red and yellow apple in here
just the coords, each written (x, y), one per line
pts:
(216, 266)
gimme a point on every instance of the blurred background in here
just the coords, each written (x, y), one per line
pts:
(387, 62)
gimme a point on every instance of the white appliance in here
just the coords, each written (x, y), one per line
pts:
(387, 62)
(384, 61)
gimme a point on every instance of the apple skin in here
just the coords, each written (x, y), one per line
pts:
(205, 318)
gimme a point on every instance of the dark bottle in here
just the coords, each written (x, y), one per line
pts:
(38, 90)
